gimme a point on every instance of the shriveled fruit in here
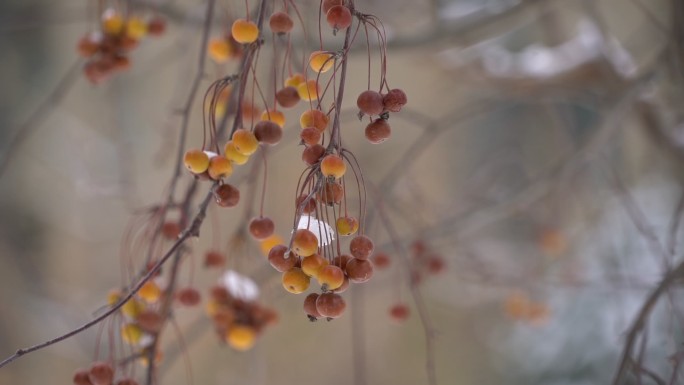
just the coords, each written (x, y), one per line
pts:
(327, 4)
(359, 270)
(312, 154)
(308, 207)
(244, 31)
(310, 307)
(331, 193)
(310, 135)
(378, 131)
(276, 257)
(295, 281)
(370, 103)
(227, 195)
(288, 97)
(261, 227)
(268, 132)
(333, 166)
(394, 100)
(361, 247)
(330, 305)
(339, 17)
(280, 22)
(304, 243)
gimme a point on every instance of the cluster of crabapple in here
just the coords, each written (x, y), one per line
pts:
(237, 321)
(107, 48)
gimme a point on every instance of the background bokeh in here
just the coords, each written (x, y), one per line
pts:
(539, 155)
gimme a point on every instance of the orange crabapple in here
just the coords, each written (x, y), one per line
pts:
(288, 97)
(347, 225)
(250, 112)
(313, 264)
(310, 307)
(314, 118)
(399, 312)
(370, 102)
(226, 195)
(245, 141)
(280, 23)
(112, 22)
(101, 373)
(156, 26)
(219, 50)
(241, 337)
(295, 281)
(150, 292)
(136, 28)
(359, 270)
(276, 257)
(304, 243)
(321, 61)
(378, 131)
(219, 167)
(330, 305)
(261, 227)
(333, 166)
(214, 258)
(244, 31)
(188, 296)
(310, 135)
(331, 193)
(196, 160)
(394, 100)
(361, 247)
(268, 132)
(274, 116)
(308, 90)
(327, 4)
(330, 277)
(339, 17)
(295, 80)
(234, 155)
(132, 308)
(267, 244)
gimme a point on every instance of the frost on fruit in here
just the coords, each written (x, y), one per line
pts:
(239, 286)
(320, 229)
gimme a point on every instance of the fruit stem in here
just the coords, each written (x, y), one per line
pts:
(335, 135)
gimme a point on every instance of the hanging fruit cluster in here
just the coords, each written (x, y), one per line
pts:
(107, 48)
